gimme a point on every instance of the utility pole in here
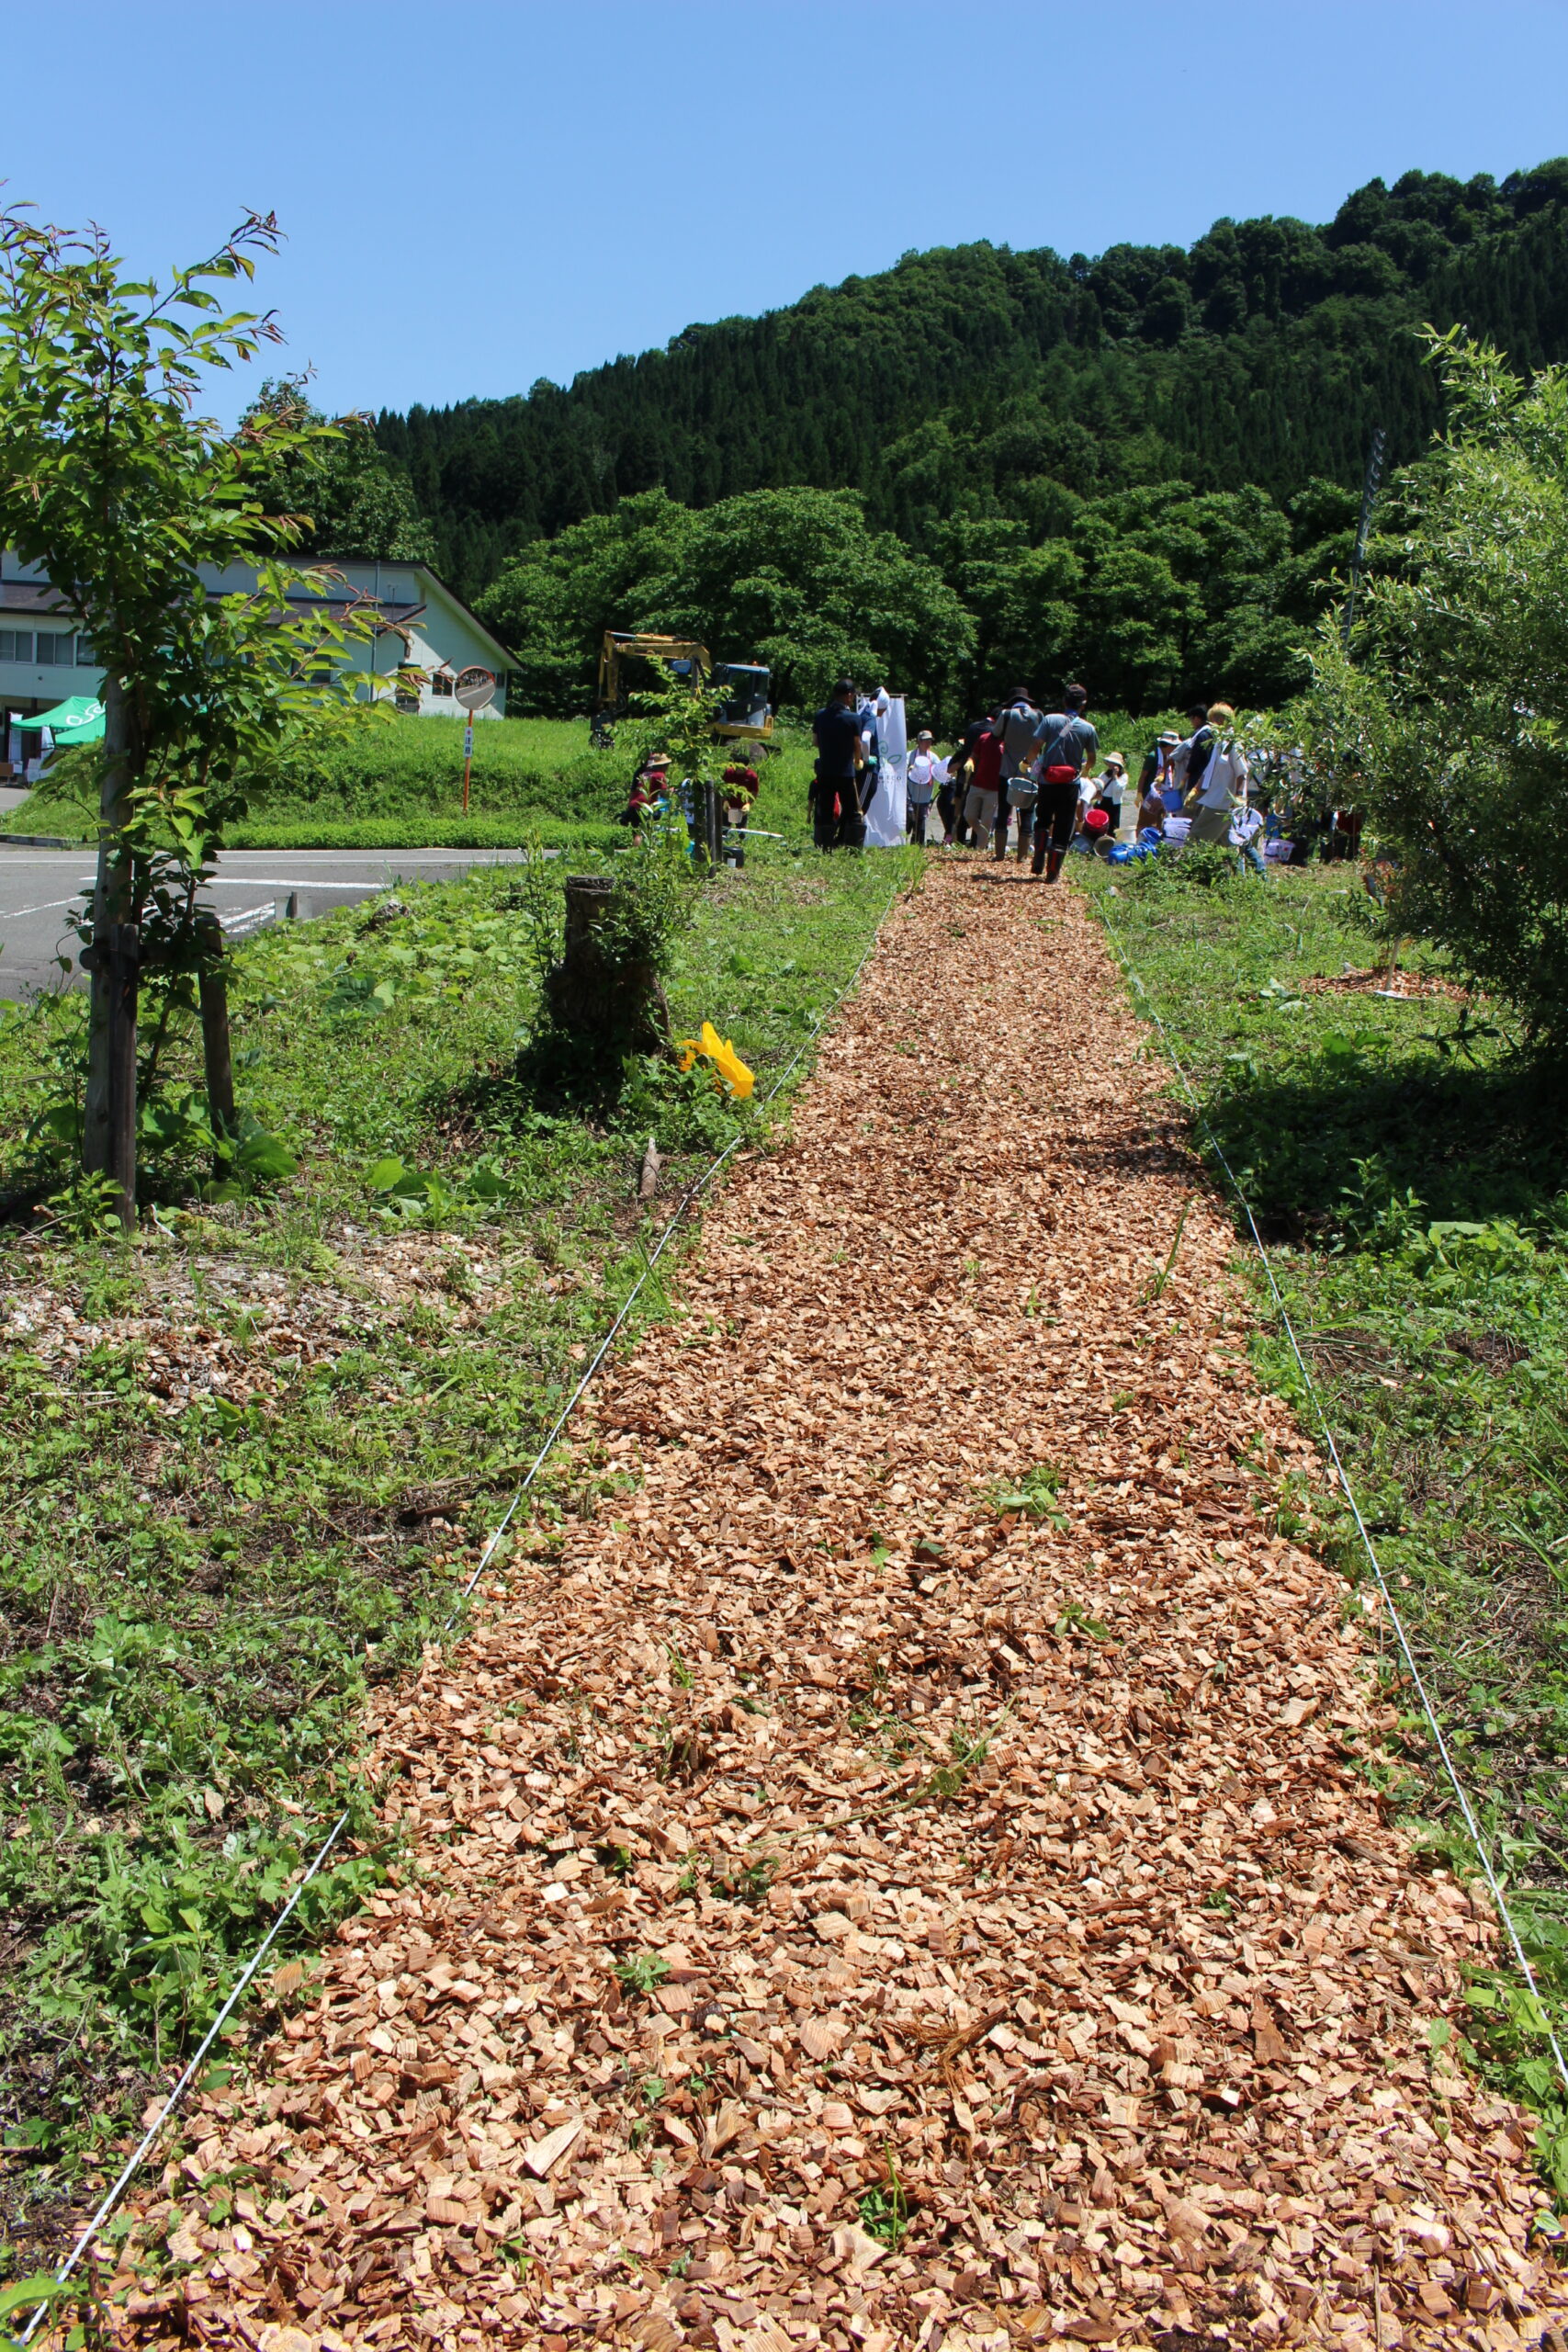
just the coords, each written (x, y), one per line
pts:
(1363, 529)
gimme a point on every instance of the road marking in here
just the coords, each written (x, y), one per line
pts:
(10, 914)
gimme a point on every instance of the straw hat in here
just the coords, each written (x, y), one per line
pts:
(659, 760)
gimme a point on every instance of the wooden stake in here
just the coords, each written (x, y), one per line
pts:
(120, 963)
(212, 984)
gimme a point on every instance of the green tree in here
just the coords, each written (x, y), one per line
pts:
(555, 600)
(112, 481)
(347, 497)
(1448, 727)
(794, 578)
(1024, 602)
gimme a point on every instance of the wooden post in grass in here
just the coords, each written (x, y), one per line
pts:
(117, 968)
(712, 834)
(212, 986)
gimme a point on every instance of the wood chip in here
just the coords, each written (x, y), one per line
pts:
(544, 2154)
(1036, 1829)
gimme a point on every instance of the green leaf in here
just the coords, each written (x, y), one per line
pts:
(265, 1157)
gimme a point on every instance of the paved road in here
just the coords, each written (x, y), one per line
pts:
(40, 887)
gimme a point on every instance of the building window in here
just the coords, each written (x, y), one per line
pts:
(86, 657)
(53, 648)
(16, 645)
(441, 683)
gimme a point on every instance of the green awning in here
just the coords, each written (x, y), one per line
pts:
(78, 719)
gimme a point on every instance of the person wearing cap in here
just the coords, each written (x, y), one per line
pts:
(649, 786)
(922, 777)
(1114, 784)
(838, 820)
(1154, 774)
(1191, 757)
(1018, 725)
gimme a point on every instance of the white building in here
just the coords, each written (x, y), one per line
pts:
(424, 637)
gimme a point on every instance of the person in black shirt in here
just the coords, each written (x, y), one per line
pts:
(839, 822)
(1192, 757)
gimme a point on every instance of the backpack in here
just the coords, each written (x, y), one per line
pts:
(1053, 768)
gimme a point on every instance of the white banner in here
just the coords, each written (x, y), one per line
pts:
(884, 818)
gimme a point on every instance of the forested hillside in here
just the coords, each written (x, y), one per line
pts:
(1090, 405)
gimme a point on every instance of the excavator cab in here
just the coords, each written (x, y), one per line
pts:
(744, 715)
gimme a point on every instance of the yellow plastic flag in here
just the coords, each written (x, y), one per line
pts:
(728, 1067)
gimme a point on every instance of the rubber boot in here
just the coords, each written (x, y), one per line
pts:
(1054, 863)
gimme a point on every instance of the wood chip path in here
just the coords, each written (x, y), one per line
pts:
(865, 1896)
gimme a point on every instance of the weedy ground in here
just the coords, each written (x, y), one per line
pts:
(1405, 1159)
(251, 1455)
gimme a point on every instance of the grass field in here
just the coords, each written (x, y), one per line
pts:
(397, 783)
(252, 1455)
(1406, 1163)
(352, 785)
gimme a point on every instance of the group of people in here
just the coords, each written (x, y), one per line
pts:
(1197, 787)
(652, 795)
(1038, 774)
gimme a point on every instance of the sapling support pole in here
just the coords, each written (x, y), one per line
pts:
(710, 823)
(114, 960)
(113, 904)
(212, 988)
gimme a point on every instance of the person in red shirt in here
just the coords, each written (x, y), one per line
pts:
(985, 783)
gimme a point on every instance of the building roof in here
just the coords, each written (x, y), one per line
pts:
(505, 658)
(36, 599)
(34, 596)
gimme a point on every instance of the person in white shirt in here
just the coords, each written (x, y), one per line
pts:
(923, 777)
(1223, 783)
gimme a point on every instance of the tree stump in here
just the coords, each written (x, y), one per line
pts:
(608, 1002)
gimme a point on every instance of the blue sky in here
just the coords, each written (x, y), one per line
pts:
(477, 197)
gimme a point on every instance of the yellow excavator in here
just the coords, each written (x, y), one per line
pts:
(744, 715)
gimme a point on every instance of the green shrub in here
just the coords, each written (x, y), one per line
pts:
(1447, 724)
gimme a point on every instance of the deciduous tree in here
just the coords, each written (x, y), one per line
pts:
(116, 485)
